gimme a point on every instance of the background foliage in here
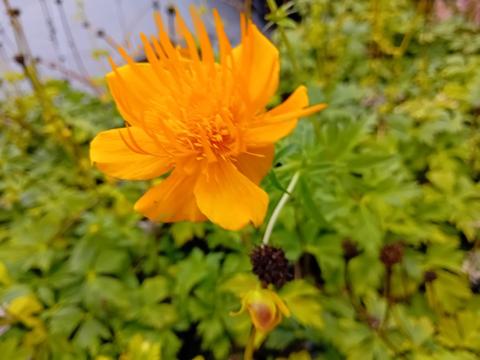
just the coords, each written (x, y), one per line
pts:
(391, 168)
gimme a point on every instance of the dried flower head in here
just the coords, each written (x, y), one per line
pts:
(350, 249)
(270, 265)
(430, 276)
(391, 254)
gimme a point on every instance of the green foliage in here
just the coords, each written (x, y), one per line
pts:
(395, 159)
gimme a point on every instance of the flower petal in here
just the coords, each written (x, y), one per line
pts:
(132, 87)
(265, 132)
(129, 153)
(172, 200)
(228, 198)
(256, 63)
(256, 163)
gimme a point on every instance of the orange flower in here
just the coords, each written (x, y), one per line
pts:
(203, 122)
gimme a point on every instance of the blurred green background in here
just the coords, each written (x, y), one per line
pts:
(391, 168)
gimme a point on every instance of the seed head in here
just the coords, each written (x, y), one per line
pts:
(270, 265)
(350, 249)
(14, 12)
(429, 276)
(19, 59)
(391, 254)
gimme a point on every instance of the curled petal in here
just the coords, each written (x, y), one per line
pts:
(129, 153)
(256, 63)
(281, 120)
(228, 198)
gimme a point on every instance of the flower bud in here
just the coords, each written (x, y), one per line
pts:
(265, 308)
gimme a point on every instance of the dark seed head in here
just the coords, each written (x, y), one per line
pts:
(100, 33)
(429, 276)
(373, 322)
(86, 24)
(156, 5)
(19, 59)
(14, 12)
(270, 265)
(171, 10)
(58, 2)
(350, 249)
(391, 254)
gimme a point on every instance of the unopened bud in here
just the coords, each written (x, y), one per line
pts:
(265, 308)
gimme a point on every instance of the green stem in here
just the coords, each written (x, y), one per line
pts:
(250, 348)
(289, 47)
(279, 207)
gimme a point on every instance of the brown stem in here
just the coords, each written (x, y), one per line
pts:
(351, 296)
(248, 9)
(28, 64)
(387, 294)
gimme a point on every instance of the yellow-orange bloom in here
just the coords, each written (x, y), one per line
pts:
(265, 309)
(203, 122)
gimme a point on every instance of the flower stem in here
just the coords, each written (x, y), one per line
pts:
(250, 348)
(279, 207)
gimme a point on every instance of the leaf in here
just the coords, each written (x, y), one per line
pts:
(4, 276)
(142, 349)
(111, 261)
(65, 320)
(90, 334)
(448, 292)
(24, 309)
(303, 301)
(155, 289)
(240, 284)
(158, 316)
(183, 232)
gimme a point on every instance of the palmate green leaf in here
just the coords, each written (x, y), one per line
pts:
(10, 348)
(303, 301)
(449, 292)
(90, 334)
(193, 270)
(327, 251)
(184, 232)
(240, 284)
(111, 261)
(158, 316)
(445, 354)
(339, 134)
(103, 292)
(142, 349)
(65, 320)
(155, 289)
(460, 330)
(309, 204)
